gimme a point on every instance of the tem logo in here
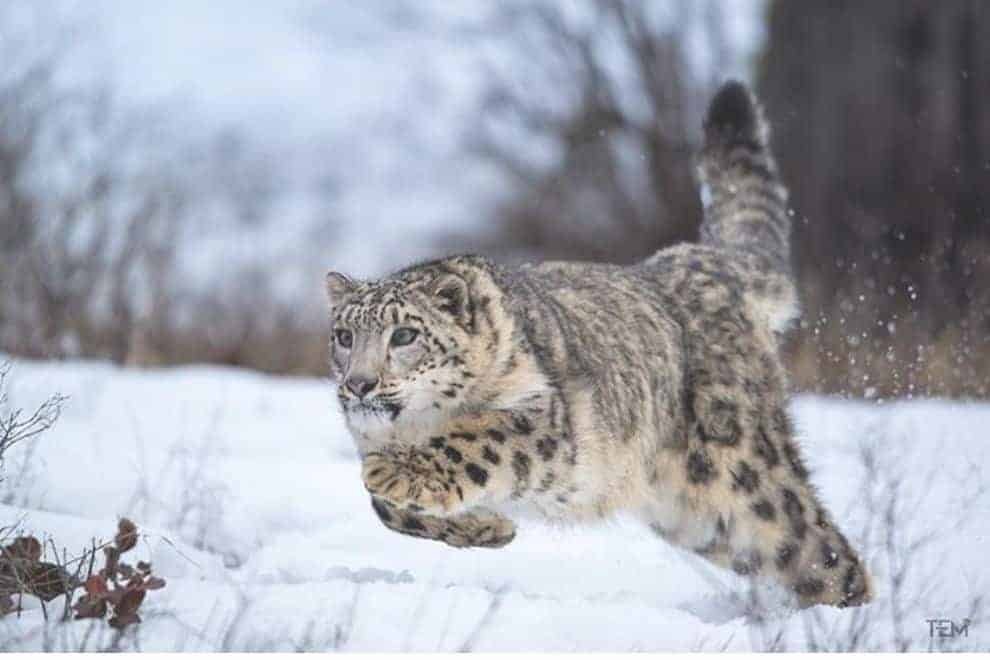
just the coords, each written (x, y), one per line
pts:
(947, 628)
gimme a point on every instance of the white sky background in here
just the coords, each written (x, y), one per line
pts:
(332, 87)
(323, 84)
(381, 105)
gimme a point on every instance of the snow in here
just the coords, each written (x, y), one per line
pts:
(248, 493)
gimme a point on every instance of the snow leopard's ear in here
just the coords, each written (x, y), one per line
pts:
(339, 286)
(453, 295)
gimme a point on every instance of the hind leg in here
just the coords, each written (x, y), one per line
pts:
(790, 541)
(810, 554)
(820, 565)
(711, 533)
(789, 538)
(739, 496)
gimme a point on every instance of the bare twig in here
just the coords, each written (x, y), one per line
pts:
(16, 426)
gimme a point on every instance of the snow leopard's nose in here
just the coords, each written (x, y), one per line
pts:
(361, 385)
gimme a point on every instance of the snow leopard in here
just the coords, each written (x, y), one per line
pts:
(480, 394)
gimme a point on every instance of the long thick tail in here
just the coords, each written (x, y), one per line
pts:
(745, 202)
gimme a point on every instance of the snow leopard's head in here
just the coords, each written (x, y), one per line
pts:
(406, 347)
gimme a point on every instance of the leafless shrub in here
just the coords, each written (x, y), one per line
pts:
(117, 589)
(92, 209)
(902, 551)
(900, 546)
(100, 203)
(494, 605)
(185, 494)
(315, 636)
(21, 567)
(15, 427)
(18, 428)
(244, 322)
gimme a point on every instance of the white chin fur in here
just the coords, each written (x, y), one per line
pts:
(412, 426)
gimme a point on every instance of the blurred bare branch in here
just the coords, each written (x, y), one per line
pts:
(619, 129)
(17, 425)
(98, 202)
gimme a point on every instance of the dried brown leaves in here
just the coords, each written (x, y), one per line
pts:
(118, 589)
(23, 572)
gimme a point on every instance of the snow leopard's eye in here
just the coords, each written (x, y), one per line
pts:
(344, 337)
(403, 336)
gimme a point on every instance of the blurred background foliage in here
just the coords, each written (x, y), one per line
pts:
(577, 143)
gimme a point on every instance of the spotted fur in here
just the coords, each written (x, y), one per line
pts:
(572, 391)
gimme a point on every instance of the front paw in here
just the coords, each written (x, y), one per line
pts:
(498, 534)
(410, 482)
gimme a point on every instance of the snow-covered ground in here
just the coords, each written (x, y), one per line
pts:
(248, 494)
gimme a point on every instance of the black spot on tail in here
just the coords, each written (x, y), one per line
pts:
(732, 116)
